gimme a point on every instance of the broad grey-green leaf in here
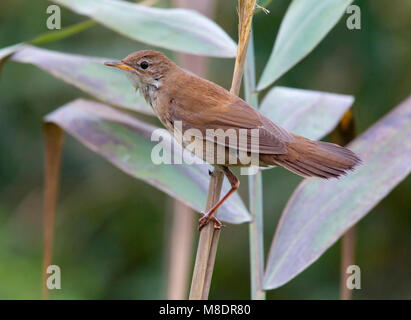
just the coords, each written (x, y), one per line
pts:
(312, 114)
(176, 29)
(320, 211)
(126, 143)
(305, 24)
(88, 74)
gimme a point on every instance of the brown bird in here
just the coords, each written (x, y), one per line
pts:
(176, 95)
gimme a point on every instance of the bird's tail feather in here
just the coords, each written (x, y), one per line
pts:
(317, 159)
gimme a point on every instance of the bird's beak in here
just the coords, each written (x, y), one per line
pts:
(119, 65)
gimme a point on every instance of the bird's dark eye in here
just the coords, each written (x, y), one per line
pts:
(144, 65)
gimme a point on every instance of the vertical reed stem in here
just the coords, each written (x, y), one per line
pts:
(210, 264)
(255, 189)
(256, 236)
(181, 245)
(53, 137)
(344, 133)
(208, 242)
(203, 264)
(347, 259)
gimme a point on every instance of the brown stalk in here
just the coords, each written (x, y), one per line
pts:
(53, 137)
(245, 16)
(181, 245)
(208, 242)
(204, 258)
(344, 133)
(347, 259)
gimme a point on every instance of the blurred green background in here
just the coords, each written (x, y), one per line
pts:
(112, 231)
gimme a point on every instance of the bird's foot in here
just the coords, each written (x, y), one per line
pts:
(206, 218)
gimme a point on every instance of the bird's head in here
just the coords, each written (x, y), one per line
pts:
(145, 67)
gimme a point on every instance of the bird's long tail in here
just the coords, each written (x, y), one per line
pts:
(317, 159)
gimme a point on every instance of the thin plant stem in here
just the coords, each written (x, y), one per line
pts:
(53, 137)
(210, 265)
(256, 236)
(344, 133)
(245, 12)
(255, 189)
(52, 36)
(347, 259)
(208, 242)
(181, 244)
(202, 265)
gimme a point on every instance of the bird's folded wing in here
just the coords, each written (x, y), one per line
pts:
(230, 118)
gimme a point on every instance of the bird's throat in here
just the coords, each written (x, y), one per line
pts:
(149, 93)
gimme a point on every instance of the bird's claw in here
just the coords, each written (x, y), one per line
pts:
(205, 219)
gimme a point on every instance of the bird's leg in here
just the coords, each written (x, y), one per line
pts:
(210, 215)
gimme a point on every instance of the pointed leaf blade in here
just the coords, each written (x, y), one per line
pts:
(320, 211)
(305, 24)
